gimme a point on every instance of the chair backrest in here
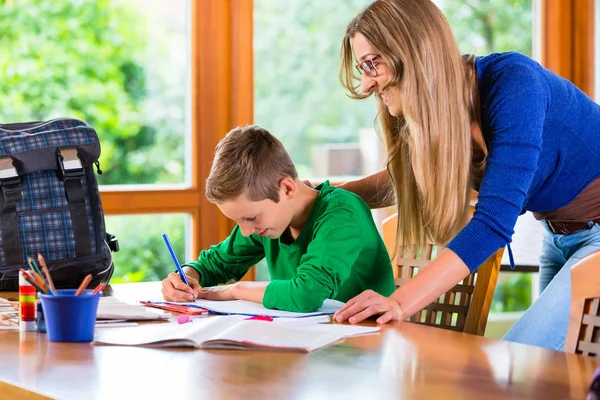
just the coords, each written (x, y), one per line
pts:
(466, 306)
(583, 333)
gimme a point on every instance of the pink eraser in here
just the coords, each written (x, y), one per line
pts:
(182, 319)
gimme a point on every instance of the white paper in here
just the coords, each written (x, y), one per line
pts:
(116, 324)
(112, 308)
(250, 308)
(305, 321)
(343, 329)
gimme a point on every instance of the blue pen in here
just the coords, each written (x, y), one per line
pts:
(181, 274)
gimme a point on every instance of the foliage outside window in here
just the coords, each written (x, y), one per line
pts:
(123, 67)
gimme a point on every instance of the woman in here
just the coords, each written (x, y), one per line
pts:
(523, 137)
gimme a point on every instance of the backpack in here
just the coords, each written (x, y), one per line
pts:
(50, 203)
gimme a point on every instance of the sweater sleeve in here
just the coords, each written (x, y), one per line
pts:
(515, 108)
(327, 263)
(230, 259)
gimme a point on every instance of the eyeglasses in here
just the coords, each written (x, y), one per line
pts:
(368, 67)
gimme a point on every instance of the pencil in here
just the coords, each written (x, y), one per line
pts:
(175, 260)
(36, 273)
(84, 284)
(99, 288)
(37, 278)
(31, 280)
(47, 273)
(33, 265)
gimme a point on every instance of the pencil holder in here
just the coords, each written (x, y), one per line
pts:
(70, 318)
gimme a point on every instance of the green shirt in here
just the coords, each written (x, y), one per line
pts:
(337, 255)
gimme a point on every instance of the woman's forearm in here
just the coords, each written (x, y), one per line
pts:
(431, 282)
(376, 190)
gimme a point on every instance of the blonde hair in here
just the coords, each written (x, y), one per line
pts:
(248, 159)
(429, 148)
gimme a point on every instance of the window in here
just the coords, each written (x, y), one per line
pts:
(122, 66)
(144, 256)
(297, 93)
(131, 69)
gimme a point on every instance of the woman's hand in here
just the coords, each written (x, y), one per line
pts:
(370, 303)
(174, 289)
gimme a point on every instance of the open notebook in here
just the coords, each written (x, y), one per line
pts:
(231, 332)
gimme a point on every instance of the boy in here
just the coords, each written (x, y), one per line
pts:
(319, 243)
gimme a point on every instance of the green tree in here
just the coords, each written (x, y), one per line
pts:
(490, 26)
(297, 60)
(144, 255)
(513, 294)
(86, 59)
(89, 59)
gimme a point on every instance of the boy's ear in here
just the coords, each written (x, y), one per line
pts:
(288, 187)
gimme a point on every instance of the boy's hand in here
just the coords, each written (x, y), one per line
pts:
(250, 291)
(225, 292)
(174, 289)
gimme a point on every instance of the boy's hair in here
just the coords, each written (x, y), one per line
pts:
(248, 159)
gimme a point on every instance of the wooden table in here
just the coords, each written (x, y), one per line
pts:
(405, 361)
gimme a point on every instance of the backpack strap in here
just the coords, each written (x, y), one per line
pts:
(10, 184)
(71, 172)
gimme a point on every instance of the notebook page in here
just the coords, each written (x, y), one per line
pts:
(249, 308)
(213, 330)
(305, 321)
(261, 334)
(343, 329)
(168, 334)
(112, 308)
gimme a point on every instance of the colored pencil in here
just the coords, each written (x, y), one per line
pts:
(84, 284)
(99, 288)
(29, 278)
(39, 279)
(47, 273)
(33, 265)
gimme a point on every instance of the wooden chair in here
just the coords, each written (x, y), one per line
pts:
(466, 306)
(583, 333)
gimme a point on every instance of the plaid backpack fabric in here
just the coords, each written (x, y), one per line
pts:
(50, 203)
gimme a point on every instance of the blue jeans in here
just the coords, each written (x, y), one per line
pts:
(545, 323)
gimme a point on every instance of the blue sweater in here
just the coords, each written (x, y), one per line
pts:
(543, 138)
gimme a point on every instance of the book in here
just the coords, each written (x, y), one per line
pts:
(249, 308)
(231, 332)
(113, 308)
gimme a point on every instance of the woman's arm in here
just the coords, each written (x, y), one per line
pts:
(441, 275)
(376, 190)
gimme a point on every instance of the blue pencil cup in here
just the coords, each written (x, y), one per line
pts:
(70, 318)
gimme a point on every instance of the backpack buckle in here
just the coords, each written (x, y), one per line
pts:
(69, 163)
(10, 181)
(8, 172)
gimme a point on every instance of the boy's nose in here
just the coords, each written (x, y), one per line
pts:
(247, 230)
